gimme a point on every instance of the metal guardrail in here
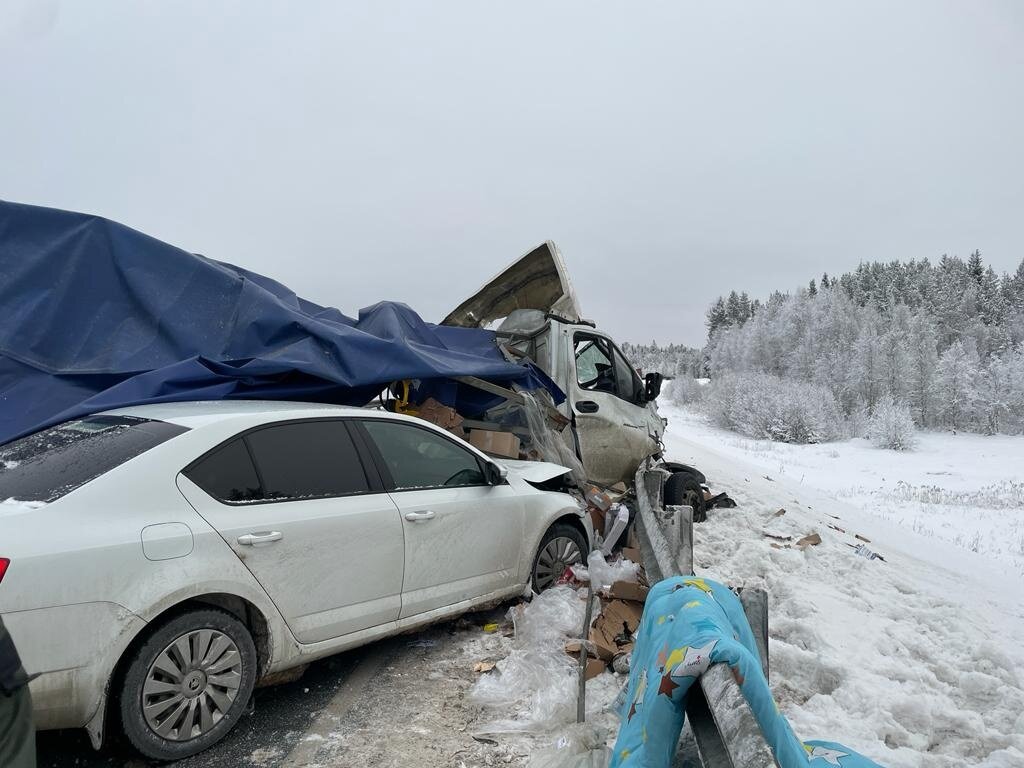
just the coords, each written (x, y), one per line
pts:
(723, 731)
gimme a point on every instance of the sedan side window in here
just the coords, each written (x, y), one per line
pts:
(284, 462)
(419, 458)
(227, 474)
(306, 460)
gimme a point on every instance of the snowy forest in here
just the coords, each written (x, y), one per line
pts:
(876, 352)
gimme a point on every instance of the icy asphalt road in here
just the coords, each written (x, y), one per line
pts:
(280, 719)
(391, 704)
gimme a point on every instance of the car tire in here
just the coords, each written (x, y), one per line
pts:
(682, 488)
(561, 546)
(196, 671)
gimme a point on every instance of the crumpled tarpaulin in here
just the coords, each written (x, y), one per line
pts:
(687, 625)
(95, 315)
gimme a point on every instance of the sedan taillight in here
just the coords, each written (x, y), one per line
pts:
(4, 562)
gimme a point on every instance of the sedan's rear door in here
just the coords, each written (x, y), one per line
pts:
(296, 505)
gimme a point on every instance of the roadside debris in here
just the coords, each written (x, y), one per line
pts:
(581, 746)
(810, 540)
(862, 551)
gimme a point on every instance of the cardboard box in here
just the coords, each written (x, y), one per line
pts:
(632, 554)
(615, 617)
(628, 590)
(441, 415)
(594, 668)
(503, 444)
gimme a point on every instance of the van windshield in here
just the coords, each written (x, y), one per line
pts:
(49, 464)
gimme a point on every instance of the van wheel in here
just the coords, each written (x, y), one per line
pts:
(188, 684)
(561, 547)
(682, 488)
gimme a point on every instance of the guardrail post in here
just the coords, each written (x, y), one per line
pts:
(721, 723)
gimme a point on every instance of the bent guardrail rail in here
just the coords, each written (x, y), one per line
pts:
(724, 732)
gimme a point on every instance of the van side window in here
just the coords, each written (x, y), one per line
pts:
(594, 369)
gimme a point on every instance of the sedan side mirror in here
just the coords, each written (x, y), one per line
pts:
(652, 385)
(496, 474)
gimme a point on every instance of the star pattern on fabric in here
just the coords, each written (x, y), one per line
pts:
(668, 685)
(695, 661)
(698, 583)
(641, 689)
(830, 756)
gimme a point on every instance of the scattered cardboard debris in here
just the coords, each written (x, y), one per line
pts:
(810, 540)
(780, 513)
(483, 666)
(628, 590)
(594, 668)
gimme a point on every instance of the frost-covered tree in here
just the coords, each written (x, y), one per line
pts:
(943, 339)
(891, 426)
(958, 385)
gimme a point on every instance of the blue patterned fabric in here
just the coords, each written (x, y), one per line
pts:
(688, 624)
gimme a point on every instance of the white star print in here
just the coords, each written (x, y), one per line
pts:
(831, 756)
(696, 661)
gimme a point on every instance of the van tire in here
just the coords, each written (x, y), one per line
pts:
(682, 489)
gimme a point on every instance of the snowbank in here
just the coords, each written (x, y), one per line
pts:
(914, 661)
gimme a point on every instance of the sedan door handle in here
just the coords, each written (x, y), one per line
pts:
(416, 517)
(260, 537)
(586, 406)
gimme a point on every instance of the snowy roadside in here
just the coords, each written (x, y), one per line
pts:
(915, 661)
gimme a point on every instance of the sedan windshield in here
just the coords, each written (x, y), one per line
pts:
(49, 464)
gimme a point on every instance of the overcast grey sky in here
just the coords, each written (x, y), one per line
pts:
(408, 151)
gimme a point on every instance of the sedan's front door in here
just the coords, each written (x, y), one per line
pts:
(296, 505)
(463, 536)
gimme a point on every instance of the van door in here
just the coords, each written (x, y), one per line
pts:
(608, 404)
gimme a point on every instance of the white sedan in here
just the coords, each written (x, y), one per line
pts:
(157, 561)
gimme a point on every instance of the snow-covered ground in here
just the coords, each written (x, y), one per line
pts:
(917, 660)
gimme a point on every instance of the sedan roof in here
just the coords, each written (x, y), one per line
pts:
(197, 413)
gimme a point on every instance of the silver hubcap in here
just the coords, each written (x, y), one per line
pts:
(556, 556)
(192, 685)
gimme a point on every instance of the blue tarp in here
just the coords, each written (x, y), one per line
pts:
(95, 315)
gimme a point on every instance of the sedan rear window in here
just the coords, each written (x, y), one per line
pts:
(52, 463)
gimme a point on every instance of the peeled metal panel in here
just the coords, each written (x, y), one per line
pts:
(536, 281)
